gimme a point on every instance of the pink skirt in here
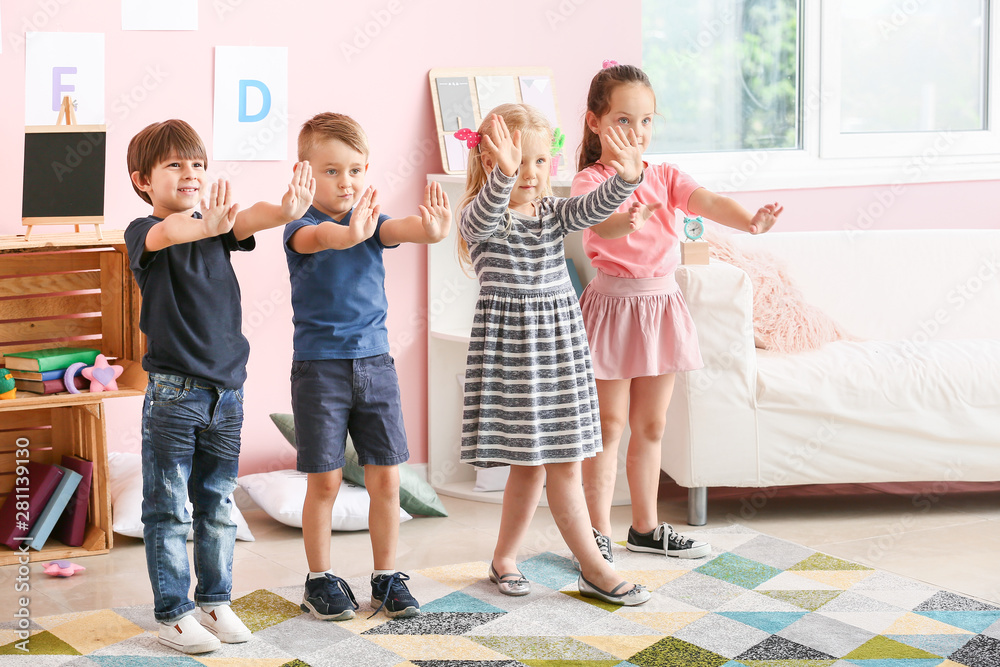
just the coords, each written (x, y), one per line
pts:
(638, 327)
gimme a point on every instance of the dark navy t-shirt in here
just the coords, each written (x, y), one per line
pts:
(191, 312)
(339, 305)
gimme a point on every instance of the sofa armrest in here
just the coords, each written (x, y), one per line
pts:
(711, 431)
(720, 299)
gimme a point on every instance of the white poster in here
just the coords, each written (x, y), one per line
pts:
(251, 103)
(159, 14)
(57, 64)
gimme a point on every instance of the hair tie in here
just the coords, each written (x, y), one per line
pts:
(610, 63)
(470, 137)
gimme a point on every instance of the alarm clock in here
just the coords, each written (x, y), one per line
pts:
(694, 228)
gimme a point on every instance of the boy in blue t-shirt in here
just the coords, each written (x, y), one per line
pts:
(196, 359)
(343, 379)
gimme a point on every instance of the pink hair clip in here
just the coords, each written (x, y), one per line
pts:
(470, 137)
(610, 63)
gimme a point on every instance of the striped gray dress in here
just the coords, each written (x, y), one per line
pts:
(530, 396)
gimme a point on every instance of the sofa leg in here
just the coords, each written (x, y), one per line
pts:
(697, 506)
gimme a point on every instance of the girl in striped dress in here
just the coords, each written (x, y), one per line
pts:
(530, 397)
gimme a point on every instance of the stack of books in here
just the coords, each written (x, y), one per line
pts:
(57, 500)
(42, 371)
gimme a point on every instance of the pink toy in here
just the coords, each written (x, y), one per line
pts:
(102, 376)
(62, 568)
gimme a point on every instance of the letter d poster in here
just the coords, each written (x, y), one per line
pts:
(251, 103)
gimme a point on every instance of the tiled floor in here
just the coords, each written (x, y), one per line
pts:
(945, 535)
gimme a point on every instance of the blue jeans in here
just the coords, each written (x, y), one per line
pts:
(190, 449)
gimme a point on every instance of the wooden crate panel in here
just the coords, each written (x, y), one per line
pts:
(52, 283)
(50, 262)
(51, 306)
(56, 329)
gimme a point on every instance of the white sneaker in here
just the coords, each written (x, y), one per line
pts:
(223, 622)
(187, 636)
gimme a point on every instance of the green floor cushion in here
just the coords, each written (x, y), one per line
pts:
(415, 495)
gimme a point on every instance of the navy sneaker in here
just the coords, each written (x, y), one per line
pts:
(663, 540)
(390, 591)
(329, 598)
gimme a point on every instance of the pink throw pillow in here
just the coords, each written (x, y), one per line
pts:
(782, 320)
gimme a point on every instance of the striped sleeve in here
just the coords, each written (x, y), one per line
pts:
(577, 213)
(486, 212)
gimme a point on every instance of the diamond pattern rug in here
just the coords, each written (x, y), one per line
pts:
(756, 601)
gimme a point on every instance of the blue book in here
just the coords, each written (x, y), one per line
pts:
(48, 517)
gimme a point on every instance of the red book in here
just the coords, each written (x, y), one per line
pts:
(72, 525)
(14, 523)
(50, 386)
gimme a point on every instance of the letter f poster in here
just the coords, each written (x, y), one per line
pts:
(57, 64)
(251, 103)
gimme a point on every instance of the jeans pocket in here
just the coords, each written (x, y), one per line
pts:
(239, 394)
(166, 392)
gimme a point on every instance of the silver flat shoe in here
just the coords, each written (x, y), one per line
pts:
(631, 598)
(510, 584)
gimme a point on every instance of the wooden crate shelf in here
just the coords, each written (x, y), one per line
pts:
(71, 290)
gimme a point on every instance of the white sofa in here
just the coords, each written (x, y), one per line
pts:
(916, 397)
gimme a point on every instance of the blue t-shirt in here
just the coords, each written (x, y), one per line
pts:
(339, 305)
(191, 312)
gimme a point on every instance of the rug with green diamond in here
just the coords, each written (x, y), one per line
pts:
(756, 601)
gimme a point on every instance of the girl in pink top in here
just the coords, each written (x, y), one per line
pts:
(638, 325)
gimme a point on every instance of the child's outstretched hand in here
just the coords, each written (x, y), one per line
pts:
(298, 198)
(507, 148)
(638, 214)
(435, 214)
(218, 213)
(626, 153)
(765, 218)
(364, 219)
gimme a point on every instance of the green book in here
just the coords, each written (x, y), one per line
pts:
(50, 359)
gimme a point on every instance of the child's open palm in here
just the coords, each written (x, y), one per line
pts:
(435, 214)
(638, 214)
(364, 219)
(299, 196)
(218, 213)
(765, 218)
(506, 149)
(625, 151)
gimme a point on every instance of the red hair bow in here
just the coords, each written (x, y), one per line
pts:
(470, 137)
(610, 63)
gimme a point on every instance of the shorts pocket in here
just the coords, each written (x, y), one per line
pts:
(300, 368)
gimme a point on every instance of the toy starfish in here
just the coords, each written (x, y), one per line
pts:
(102, 376)
(62, 568)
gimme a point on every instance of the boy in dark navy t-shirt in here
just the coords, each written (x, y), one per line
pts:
(196, 359)
(343, 379)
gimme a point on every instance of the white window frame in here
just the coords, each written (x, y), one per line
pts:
(830, 159)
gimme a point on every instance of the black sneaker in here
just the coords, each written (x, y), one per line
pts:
(329, 598)
(604, 546)
(390, 591)
(676, 544)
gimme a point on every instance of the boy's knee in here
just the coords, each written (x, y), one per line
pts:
(323, 485)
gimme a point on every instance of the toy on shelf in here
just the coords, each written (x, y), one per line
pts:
(7, 388)
(694, 251)
(62, 568)
(102, 375)
(558, 141)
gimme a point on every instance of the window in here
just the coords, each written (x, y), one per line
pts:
(760, 94)
(725, 73)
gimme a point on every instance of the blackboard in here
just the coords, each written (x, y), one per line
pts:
(63, 173)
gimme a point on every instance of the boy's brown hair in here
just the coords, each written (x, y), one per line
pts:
(159, 141)
(327, 126)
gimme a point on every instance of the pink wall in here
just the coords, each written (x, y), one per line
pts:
(151, 76)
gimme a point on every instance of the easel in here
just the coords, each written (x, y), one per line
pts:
(67, 113)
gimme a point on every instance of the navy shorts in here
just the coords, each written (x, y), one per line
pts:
(334, 397)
